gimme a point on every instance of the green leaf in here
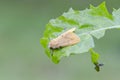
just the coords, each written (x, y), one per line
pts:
(116, 15)
(94, 56)
(101, 10)
(89, 23)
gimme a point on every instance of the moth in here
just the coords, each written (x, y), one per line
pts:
(67, 38)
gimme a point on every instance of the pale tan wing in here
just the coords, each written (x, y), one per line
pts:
(68, 39)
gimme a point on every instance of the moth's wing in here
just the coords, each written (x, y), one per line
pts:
(68, 39)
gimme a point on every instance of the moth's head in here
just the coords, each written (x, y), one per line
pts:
(53, 44)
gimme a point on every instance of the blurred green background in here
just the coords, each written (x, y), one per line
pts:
(22, 23)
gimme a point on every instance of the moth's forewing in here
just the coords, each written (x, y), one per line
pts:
(66, 39)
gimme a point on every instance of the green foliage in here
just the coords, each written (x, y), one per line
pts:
(89, 23)
(95, 57)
